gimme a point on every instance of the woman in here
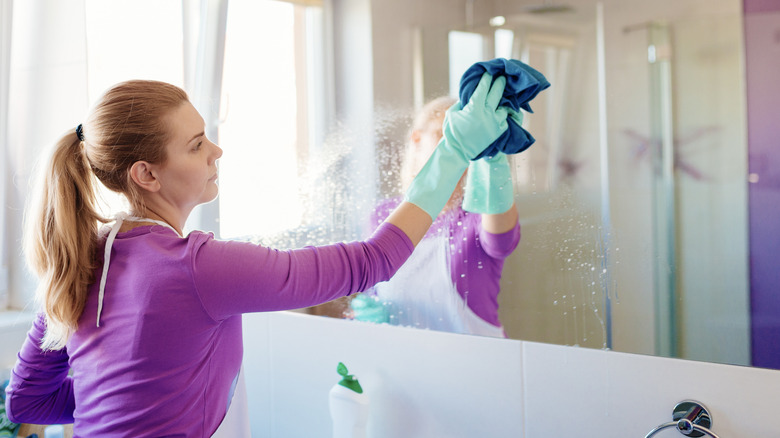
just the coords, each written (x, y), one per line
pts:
(147, 320)
(451, 282)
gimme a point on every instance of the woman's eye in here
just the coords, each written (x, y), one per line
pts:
(197, 146)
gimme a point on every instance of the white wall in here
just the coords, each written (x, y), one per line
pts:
(432, 384)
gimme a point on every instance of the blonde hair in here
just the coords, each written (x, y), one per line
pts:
(431, 112)
(126, 125)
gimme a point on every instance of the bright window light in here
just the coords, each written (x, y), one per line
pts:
(466, 48)
(133, 39)
(119, 50)
(259, 171)
(504, 39)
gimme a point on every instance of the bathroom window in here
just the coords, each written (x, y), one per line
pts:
(270, 114)
(117, 51)
(271, 111)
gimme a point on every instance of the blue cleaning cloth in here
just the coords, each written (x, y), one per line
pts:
(523, 83)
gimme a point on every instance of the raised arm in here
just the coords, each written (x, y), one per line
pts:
(467, 132)
(501, 222)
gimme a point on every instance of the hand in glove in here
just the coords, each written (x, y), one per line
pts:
(466, 132)
(489, 188)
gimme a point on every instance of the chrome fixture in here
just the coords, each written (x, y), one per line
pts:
(690, 418)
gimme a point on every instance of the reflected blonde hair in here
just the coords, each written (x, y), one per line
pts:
(423, 121)
(126, 125)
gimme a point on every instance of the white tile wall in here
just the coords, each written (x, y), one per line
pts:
(626, 395)
(431, 384)
(421, 383)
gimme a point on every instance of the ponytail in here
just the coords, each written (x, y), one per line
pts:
(61, 236)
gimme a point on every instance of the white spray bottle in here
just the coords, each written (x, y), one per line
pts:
(348, 406)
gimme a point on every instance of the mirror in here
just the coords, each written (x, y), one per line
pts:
(634, 200)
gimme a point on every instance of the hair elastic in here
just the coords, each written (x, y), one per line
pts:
(80, 132)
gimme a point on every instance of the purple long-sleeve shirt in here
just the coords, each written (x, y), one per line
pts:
(476, 256)
(169, 345)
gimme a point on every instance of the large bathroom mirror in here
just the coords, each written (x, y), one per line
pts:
(634, 200)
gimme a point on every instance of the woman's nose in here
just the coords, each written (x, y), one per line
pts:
(217, 151)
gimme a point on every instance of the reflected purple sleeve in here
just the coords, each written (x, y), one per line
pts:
(477, 263)
(476, 256)
(500, 246)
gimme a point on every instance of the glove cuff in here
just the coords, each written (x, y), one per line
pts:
(489, 188)
(434, 184)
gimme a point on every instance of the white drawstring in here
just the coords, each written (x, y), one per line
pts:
(120, 217)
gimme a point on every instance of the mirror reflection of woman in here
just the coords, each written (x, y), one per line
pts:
(451, 282)
(139, 332)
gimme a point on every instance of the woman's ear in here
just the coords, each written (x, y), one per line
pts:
(143, 175)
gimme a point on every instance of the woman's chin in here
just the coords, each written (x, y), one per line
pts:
(210, 195)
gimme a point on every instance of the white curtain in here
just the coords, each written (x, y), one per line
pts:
(47, 96)
(6, 14)
(204, 23)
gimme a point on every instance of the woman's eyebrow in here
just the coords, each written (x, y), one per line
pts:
(200, 134)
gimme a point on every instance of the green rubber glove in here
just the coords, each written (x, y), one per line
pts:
(489, 188)
(466, 133)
